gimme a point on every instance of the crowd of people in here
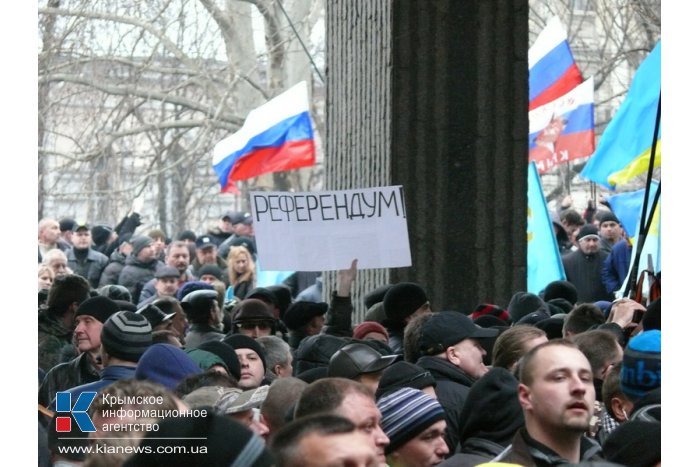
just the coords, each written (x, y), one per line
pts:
(179, 357)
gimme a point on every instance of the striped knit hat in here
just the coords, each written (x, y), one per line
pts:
(405, 414)
(126, 335)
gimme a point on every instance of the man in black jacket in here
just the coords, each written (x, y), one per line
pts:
(450, 343)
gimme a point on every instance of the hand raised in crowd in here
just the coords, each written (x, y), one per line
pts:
(345, 279)
(622, 312)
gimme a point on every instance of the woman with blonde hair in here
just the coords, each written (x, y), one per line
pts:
(46, 277)
(241, 272)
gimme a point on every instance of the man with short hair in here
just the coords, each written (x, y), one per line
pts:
(49, 237)
(451, 345)
(140, 267)
(278, 357)
(83, 259)
(177, 255)
(584, 266)
(85, 368)
(321, 440)
(349, 399)
(602, 351)
(56, 321)
(557, 396)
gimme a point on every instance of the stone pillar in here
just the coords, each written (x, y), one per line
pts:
(432, 95)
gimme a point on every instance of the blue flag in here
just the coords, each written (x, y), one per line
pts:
(543, 260)
(624, 148)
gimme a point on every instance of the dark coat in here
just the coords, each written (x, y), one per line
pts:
(54, 337)
(527, 452)
(136, 273)
(110, 275)
(451, 389)
(67, 375)
(584, 271)
(91, 268)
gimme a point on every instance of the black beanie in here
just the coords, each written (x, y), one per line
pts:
(100, 308)
(524, 303)
(403, 374)
(586, 230)
(491, 410)
(635, 444)
(227, 443)
(402, 300)
(126, 335)
(561, 289)
(100, 234)
(241, 341)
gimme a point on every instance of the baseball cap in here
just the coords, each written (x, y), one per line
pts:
(447, 328)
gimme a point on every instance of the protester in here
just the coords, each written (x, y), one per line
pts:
(84, 260)
(241, 272)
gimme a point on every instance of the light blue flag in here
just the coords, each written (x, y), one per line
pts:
(267, 278)
(543, 260)
(628, 207)
(624, 148)
(651, 252)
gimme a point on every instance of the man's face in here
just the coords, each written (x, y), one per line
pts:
(179, 321)
(146, 254)
(59, 266)
(315, 325)
(561, 395)
(286, 370)
(158, 245)
(251, 419)
(252, 369)
(166, 286)
(346, 449)
(611, 231)
(469, 357)
(589, 245)
(87, 333)
(225, 225)
(363, 412)
(244, 230)
(179, 258)
(206, 255)
(50, 233)
(428, 448)
(82, 239)
(255, 328)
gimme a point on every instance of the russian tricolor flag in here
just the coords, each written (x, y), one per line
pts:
(563, 130)
(553, 72)
(275, 137)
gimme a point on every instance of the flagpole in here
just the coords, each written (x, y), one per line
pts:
(645, 223)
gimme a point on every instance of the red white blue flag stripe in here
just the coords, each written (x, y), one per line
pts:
(552, 70)
(275, 137)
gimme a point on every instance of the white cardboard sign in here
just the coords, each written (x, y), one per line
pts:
(326, 230)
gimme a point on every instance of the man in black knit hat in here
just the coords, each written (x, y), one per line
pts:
(584, 267)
